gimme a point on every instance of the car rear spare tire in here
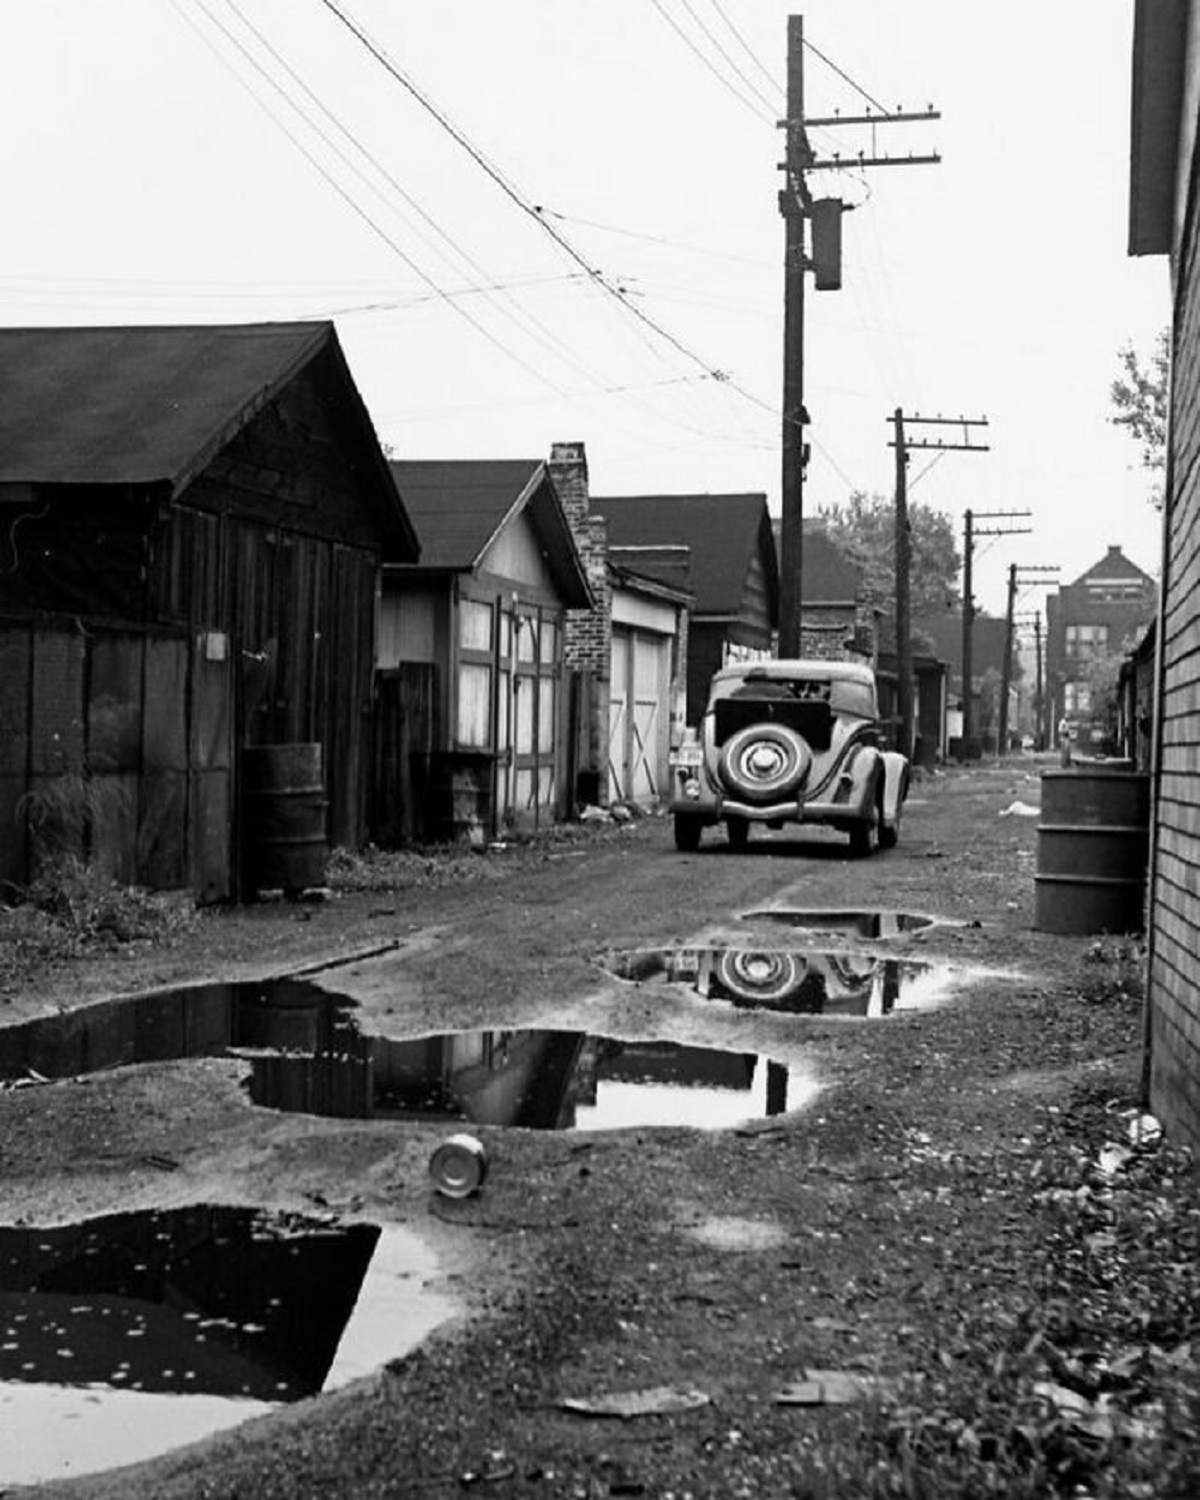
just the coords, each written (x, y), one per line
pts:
(764, 762)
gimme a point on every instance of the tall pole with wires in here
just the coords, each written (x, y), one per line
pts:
(797, 206)
(793, 201)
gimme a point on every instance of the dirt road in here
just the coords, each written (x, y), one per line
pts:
(866, 1232)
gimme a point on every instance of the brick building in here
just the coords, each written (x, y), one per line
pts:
(1100, 617)
(1165, 160)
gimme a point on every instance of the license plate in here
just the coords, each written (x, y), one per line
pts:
(687, 755)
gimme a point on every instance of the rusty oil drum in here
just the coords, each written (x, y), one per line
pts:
(285, 845)
(1093, 849)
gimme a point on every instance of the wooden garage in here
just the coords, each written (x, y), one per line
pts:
(194, 521)
(481, 619)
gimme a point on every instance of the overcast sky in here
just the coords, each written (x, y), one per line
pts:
(201, 160)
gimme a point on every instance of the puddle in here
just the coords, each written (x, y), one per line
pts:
(862, 924)
(307, 1054)
(124, 1336)
(796, 982)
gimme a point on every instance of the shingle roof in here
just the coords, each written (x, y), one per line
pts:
(724, 532)
(827, 576)
(458, 505)
(152, 405)
(133, 405)
(1113, 565)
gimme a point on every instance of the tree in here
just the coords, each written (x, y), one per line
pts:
(865, 529)
(1140, 396)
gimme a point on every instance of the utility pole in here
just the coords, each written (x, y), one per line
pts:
(797, 206)
(970, 532)
(904, 446)
(1027, 575)
(1035, 619)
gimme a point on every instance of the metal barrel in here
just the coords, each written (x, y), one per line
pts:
(1093, 849)
(284, 840)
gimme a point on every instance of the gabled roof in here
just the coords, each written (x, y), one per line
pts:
(459, 507)
(724, 532)
(152, 405)
(1113, 567)
(827, 576)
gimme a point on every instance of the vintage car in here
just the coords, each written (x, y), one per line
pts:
(789, 741)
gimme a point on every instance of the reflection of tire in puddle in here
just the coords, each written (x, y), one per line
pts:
(758, 976)
(802, 983)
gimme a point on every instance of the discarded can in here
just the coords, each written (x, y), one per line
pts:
(458, 1166)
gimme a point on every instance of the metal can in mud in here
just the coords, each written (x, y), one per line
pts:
(458, 1166)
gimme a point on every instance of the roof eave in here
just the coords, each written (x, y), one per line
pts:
(1159, 50)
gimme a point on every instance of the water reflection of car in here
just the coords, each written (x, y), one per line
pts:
(803, 984)
(789, 741)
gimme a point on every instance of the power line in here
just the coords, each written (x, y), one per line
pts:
(750, 84)
(526, 207)
(526, 320)
(750, 52)
(708, 63)
(342, 192)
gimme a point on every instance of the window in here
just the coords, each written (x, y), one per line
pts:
(474, 706)
(1083, 641)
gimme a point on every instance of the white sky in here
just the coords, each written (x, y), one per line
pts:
(145, 181)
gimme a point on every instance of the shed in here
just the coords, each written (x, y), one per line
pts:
(734, 572)
(481, 616)
(193, 520)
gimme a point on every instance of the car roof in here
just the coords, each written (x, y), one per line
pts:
(787, 668)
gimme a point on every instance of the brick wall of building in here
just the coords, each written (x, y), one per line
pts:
(1175, 876)
(587, 633)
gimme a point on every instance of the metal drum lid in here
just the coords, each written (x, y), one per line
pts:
(458, 1166)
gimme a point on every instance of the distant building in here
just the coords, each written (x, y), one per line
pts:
(1101, 615)
(734, 572)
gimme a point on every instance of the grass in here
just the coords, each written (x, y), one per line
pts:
(72, 910)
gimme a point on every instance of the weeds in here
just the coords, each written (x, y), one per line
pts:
(71, 910)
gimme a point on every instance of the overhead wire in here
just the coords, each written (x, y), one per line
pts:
(527, 321)
(709, 64)
(770, 104)
(342, 192)
(749, 51)
(439, 292)
(599, 278)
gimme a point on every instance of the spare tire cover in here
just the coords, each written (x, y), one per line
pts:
(764, 762)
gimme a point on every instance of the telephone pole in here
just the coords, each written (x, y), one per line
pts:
(798, 206)
(1026, 575)
(1033, 575)
(904, 446)
(970, 532)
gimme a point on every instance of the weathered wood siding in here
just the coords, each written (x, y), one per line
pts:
(116, 746)
(1174, 978)
(273, 543)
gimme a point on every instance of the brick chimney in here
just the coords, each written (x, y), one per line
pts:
(587, 633)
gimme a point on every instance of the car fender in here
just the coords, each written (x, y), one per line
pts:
(865, 769)
(895, 784)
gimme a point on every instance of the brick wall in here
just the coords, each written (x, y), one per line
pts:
(1175, 877)
(587, 633)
